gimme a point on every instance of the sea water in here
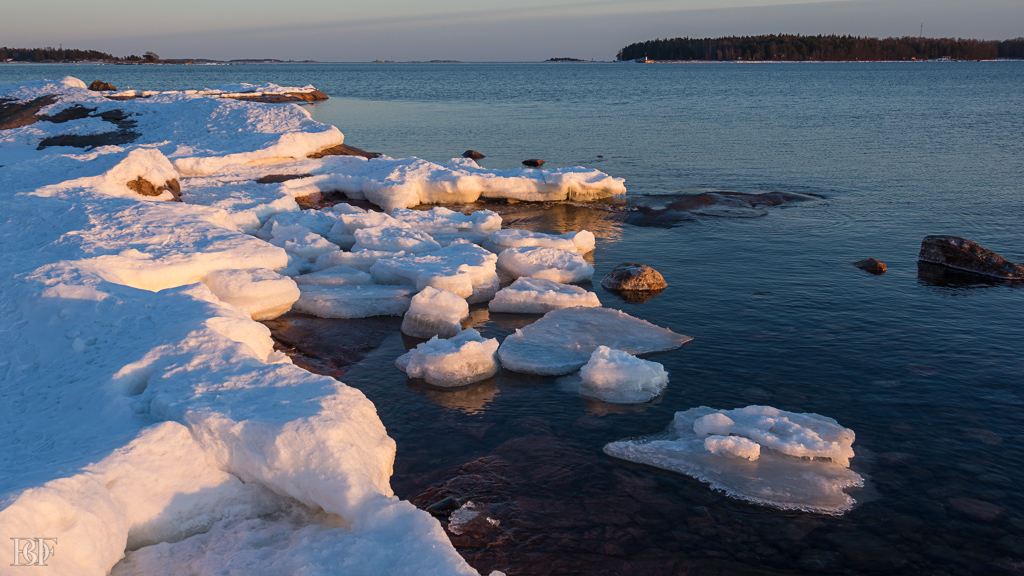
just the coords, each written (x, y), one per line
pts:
(928, 370)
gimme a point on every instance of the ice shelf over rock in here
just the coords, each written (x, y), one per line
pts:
(621, 378)
(544, 263)
(760, 454)
(538, 296)
(261, 293)
(353, 301)
(435, 312)
(563, 340)
(458, 361)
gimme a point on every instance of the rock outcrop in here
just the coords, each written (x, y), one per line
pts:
(18, 114)
(101, 86)
(473, 154)
(967, 256)
(533, 162)
(342, 150)
(146, 188)
(633, 277)
(872, 265)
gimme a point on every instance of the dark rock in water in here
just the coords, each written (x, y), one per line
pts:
(876, 267)
(342, 150)
(18, 114)
(277, 178)
(473, 154)
(967, 256)
(722, 204)
(868, 552)
(100, 85)
(329, 346)
(631, 277)
(977, 509)
(533, 162)
(445, 507)
(142, 186)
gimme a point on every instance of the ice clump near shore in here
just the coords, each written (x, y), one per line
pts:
(538, 296)
(760, 454)
(544, 263)
(580, 242)
(621, 378)
(458, 361)
(435, 312)
(463, 268)
(563, 340)
(261, 293)
(353, 300)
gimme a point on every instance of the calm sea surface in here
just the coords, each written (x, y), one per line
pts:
(928, 370)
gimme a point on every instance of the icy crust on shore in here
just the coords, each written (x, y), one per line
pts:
(149, 417)
(759, 453)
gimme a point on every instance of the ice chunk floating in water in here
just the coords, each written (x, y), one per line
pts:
(758, 453)
(621, 378)
(459, 361)
(538, 296)
(563, 340)
(435, 312)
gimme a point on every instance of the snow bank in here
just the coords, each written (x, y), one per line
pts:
(435, 312)
(461, 360)
(538, 296)
(760, 454)
(621, 378)
(563, 340)
(544, 263)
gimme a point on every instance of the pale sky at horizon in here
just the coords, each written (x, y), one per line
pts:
(472, 31)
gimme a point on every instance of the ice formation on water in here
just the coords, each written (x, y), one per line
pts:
(435, 312)
(463, 268)
(581, 242)
(537, 296)
(186, 441)
(353, 300)
(758, 453)
(461, 360)
(544, 263)
(563, 340)
(261, 293)
(621, 378)
(336, 276)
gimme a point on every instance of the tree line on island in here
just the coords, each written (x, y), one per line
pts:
(797, 48)
(51, 54)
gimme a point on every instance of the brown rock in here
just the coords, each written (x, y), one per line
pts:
(962, 254)
(277, 178)
(473, 154)
(146, 188)
(634, 277)
(342, 150)
(533, 162)
(876, 267)
(100, 85)
(18, 114)
(314, 96)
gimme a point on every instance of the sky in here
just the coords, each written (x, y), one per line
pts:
(525, 30)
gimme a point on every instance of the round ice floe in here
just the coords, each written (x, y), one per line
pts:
(360, 301)
(336, 275)
(394, 239)
(538, 296)
(544, 263)
(745, 461)
(621, 378)
(435, 312)
(563, 340)
(580, 242)
(459, 361)
(262, 293)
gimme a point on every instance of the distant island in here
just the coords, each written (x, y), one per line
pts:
(796, 48)
(568, 60)
(71, 55)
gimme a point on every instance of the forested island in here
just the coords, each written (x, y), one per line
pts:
(796, 48)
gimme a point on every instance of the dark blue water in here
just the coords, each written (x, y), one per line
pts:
(928, 371)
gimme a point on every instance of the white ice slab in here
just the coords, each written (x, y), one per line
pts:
(458, 361)
(563, 340)
(581, 242)
(545, 263)
(621, 378)
(359, 260)
(465, 269)
(359, 301)
(764, 476)
(335, 276)
(261, 293)
(394, 239)
(537, 296)
(435, 312)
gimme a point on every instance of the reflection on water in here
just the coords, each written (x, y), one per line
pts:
(471, 399)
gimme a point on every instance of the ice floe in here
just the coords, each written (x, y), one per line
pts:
(760, 454)
(463, 268)
(538, 296)
(620, 378)
(336, 275)
(544, 263)
(261, 293)
(435, 312)
(463, 359)
(581, 242)
(353, 301)
(394, 239)
(563, 340)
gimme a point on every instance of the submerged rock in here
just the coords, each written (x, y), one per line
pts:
(342, 150)
(965, 255)
(876, 267)
(100, 86)
(634, 277)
